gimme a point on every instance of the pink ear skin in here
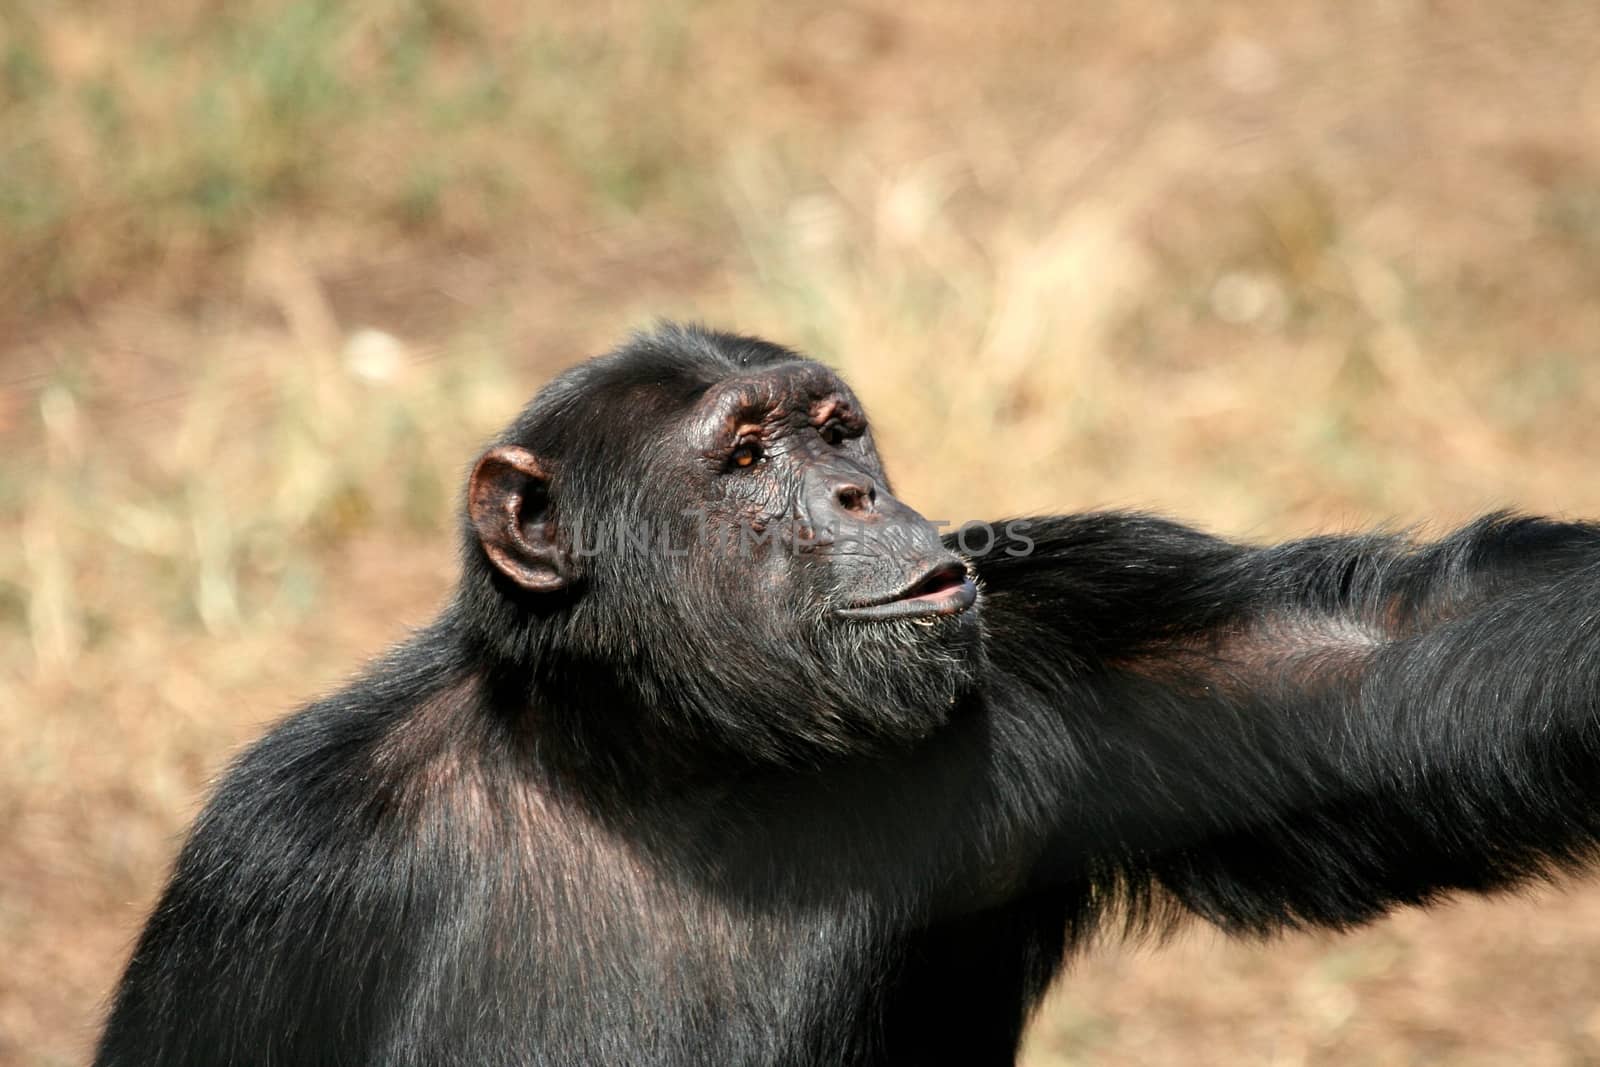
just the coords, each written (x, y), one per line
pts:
(509, 503)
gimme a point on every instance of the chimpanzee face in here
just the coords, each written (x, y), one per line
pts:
(787, 466)
(734, 543)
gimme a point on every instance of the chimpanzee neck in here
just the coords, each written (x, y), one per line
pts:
(581, 726)
(601, 712)
(603, 734)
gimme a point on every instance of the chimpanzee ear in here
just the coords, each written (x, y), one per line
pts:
(508, 499)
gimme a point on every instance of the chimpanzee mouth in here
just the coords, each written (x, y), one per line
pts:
(945, 590)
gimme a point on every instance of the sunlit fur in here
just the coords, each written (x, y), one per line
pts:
(677, 813)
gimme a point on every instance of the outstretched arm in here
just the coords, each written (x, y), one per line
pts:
(1310, 733)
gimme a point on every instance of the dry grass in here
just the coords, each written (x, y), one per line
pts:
(272, 272)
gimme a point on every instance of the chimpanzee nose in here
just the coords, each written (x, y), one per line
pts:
(845, 506)
(835, 501)
(857, 499)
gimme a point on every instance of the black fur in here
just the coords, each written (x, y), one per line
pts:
(675, 812)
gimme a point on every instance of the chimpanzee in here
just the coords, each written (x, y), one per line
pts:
(720, 754)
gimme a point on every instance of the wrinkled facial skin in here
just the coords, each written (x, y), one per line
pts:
(819, 596)
(793, 469)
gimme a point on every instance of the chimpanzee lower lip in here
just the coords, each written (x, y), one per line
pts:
(943, 591)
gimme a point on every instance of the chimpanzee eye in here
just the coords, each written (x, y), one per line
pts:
(746, 455)
(833, 432)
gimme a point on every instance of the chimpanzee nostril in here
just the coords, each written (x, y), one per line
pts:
(855, 498)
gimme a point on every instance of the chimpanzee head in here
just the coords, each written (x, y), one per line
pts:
(696, 528)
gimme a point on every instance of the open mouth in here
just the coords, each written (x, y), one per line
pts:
(945, 590)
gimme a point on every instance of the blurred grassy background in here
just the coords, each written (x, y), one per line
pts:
(270, 271)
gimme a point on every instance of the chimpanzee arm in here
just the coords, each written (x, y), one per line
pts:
(1309, 733)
